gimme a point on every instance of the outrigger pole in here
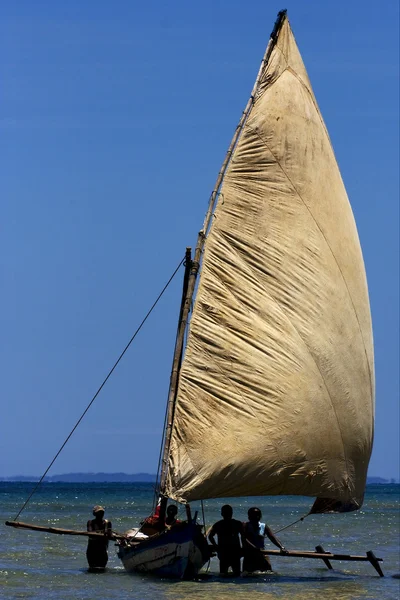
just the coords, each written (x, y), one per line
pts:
(320, 553)
(328, 556)
(58, 530)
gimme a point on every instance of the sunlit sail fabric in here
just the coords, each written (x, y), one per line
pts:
(276, 391)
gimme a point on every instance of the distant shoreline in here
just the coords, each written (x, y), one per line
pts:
(123, 478)
(87, 478)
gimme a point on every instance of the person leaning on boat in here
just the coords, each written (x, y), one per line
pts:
(229, 534)
(254, 533)
(96, 553)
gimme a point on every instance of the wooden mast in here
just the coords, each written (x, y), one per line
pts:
(195, 264)
(178, 352)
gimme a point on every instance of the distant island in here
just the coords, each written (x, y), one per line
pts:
(88, 478)
(381, 480)
(124, 478)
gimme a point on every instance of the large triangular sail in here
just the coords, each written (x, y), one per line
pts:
(276, 389)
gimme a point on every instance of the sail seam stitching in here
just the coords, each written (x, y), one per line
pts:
(300, 80)
(316, 107)
(306, 87)
(313, 100)
(327, 243)
(250, 268)
(310, 353)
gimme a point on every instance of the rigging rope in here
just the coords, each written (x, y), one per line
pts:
(101, 387)
(204, 517)
(205, 533)
(294, 523)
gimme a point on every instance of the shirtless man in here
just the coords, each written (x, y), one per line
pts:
(229, 533)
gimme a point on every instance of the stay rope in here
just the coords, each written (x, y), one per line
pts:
(205, 532)
(100, 388)
(291, 524)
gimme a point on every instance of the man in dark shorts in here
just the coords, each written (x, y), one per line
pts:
(96, 552)
(229, 532)
(253, 534)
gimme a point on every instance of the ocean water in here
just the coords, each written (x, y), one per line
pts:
(38, 565)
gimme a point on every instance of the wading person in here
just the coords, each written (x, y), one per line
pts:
(254, 533)
(96, 552)
(228, 532)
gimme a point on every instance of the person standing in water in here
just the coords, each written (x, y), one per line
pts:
(254, 533)
(229, 533)
(96, 553)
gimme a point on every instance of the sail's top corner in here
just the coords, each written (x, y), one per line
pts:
(282, 15)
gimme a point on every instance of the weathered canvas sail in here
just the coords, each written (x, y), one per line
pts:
(276, 390)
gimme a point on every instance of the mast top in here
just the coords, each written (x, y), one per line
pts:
(282, 15)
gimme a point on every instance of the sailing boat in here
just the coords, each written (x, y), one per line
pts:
(272, 383)
(275, 391)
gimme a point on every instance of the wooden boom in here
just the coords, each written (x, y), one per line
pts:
(20, 525)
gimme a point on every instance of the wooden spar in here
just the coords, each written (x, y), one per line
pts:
(320, 555)
(191, 268)
(278, 23)
(195, 264)
(374, 562)
(370, 556)
(322, 551)
(58, 530)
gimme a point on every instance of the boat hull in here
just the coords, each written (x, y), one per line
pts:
(177, 553)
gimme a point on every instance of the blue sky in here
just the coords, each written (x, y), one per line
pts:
(115, 118)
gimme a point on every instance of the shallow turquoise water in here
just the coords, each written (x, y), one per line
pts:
(39, 565)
